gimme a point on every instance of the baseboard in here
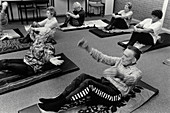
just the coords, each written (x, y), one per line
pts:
(31, 19)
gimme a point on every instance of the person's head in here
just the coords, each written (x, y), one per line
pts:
(128, 6)
(51, 12)
(156, 15)
(130, 55)
(77, 6)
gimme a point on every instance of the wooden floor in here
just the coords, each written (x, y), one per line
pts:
(154, 72)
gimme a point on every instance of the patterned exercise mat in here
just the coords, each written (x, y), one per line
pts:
(140, 95)
(13, 44)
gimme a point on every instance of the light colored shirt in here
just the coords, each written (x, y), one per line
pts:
(128, 16)
(49, 23)
(117, 73)
(156, 27)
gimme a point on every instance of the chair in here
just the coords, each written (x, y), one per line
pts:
(41, 4)
(26, 6)
(97, 5)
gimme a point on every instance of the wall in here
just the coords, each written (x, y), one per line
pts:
(167, 17)
(141, 8)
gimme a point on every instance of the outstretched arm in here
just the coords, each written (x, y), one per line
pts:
(97, 55)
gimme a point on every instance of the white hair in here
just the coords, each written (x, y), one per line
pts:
(77, 5)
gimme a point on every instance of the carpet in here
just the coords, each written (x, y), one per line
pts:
(166, 42)
(139, 96)
(10, 81)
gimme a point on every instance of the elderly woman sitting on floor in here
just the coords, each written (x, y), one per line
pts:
(121, 19)
(75, 17)
(47, 26)
(147, 31)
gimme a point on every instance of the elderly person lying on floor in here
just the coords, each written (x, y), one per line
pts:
(121, 19)
(117, 82)
(75, 18)
(38, 55)
(48, 25)
(147, 31)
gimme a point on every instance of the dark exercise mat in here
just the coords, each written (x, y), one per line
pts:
(166, 42)
(10, 81)
(140, 95)
(103, 34)
(100, 33)
(13, 45)
(72, 28)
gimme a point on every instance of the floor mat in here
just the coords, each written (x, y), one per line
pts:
(102, 33)
(10, 81)
(12, 45)
(141, 94)
(86, 25)
(166, 42)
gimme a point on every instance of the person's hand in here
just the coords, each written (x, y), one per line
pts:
(113, 15)
(84, 45)
(135, 28)
(56, 61)
(34, 24)
(129, 80)
(68, 13)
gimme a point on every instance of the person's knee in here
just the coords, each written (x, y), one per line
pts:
(83, 75)
(88, 82)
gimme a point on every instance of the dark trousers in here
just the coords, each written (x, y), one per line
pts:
(17, 66)
(118, 23)
(143, 38)
(85, 85)
(72, 21)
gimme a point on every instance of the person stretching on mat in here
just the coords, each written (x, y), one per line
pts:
(37, 56)
(122, 19)
(117, 82)
(146, 32)
(48, 25)
(75, 18)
